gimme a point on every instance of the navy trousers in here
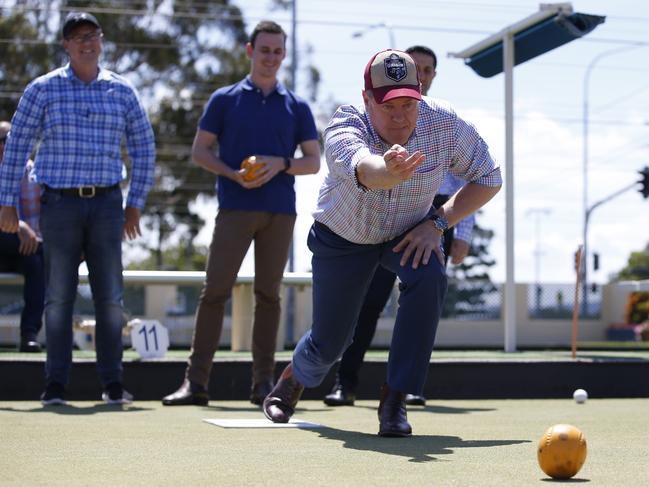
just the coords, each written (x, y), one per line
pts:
(342, 273)
(375, 300)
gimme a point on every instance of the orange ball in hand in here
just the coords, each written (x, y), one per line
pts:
(562, 451)
(251, 168)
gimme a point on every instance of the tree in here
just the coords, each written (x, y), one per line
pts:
(637, 267)
(23, 36)
(176, 53)
(168, 50)
(469, 282)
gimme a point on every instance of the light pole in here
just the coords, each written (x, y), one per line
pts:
(552, 26)
(586, 211)
(537, 213)
(380, 25)
(294, 46)
(290, 291)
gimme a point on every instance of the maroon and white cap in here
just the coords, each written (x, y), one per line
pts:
(392, 74)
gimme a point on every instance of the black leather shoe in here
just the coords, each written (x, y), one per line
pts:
(340, 396)
(415, 400)
(280, 404)
(260, 390)
(393, 419)
(29, 346)
(189, 394)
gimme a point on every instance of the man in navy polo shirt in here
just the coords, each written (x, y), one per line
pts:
(256, 117)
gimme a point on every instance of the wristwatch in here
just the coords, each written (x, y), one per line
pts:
(287, 163)
(439, 222)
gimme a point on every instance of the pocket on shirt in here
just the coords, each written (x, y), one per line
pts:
(423, 185)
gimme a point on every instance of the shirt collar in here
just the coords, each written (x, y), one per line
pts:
(102, 75)
(248, 85)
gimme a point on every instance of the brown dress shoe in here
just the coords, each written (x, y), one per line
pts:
(189, 394)
(340, 396)
(280, 404)
(260, 390)
(393, 419)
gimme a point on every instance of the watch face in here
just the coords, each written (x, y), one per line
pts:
(440, 223)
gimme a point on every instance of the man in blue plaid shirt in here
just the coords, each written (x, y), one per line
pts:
(387, 160)
(79, 115)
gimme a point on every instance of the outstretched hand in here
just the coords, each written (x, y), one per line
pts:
(400, 164)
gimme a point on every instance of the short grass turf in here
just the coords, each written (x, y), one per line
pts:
(595, 351)
(455, 443)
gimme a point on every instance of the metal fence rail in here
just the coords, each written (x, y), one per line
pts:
(472, 317)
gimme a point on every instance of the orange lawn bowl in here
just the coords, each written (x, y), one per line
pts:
(250, 168)
(562, 451)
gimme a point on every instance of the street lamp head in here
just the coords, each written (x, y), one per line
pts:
(542, 33)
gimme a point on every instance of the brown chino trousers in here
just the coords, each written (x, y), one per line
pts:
(234, 231)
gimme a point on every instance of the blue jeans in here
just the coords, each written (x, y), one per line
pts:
(342, 273)
(31, 266)
(91, 227)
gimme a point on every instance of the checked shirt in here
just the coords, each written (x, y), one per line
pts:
(80, 128)
(365, 216)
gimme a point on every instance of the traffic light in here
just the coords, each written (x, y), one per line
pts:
(644, 182)
(577, 260)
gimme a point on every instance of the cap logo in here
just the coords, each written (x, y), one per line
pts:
(395, 67)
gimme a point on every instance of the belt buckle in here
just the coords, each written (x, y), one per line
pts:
(86, 191)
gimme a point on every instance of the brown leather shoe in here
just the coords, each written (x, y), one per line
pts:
(280, 404)
(340, 396)
(393, 419)
(260, 390)
(189, 394)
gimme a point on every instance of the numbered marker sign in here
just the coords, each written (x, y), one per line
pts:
(150, 338)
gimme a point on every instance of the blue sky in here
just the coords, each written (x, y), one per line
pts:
(548, 97)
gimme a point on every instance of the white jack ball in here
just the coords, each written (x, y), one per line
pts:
(580, 396)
